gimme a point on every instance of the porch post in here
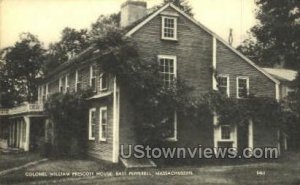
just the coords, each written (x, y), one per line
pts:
(27, 133)
(13, 134)
(278, 142)
(18, 133)
(21, 134)
(10, 133)
(250, 134)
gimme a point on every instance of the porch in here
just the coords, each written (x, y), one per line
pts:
(22, 127)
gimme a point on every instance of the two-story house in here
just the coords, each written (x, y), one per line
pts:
(183, 47)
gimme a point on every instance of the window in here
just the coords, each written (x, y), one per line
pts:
(169, 28)
(47, 90)
(93, 78)
(225, 132)
(92, 123)
(171, 123)
(60, 86)
(242, 87)
(103, 81)
(44, 90)
(67, 87)
(223, 84)
(167, 69)
(78, 79)
(290, 92)
(103, 124)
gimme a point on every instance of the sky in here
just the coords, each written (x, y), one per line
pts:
(47, 18)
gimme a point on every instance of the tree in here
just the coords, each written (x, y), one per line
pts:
(21, 66)
(74, 41)
(103, 25)
(182, 4)
(276, 38)
(71, 43)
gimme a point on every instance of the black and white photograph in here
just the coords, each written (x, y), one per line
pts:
(195, 92)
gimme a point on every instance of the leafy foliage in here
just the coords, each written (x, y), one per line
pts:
(69, 114)
(20, 70)
(278, 32)
(181, 4)
(149, 98)
(72, 42)
(239, 111)
(153, 103)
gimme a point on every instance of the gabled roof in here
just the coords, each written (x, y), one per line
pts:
(131, 29)
(149, 18)
(282, 74)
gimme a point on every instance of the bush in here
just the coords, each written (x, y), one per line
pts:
(69, 114)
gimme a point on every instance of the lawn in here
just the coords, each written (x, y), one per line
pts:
(8, 161)
(283, 171)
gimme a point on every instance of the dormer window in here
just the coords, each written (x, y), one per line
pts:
(169, 28)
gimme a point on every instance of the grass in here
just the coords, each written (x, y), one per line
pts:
(283, 171)
(8, 161)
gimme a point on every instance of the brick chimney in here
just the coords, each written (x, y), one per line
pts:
(132, 11)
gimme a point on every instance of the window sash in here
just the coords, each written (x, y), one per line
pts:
(167, 69)
(78, 79)
(224, 84)
(60, 86)
(93, 78)
(92, 123)
(242, 87)
(225, 132)
(103, 82)
(67, 87)
(103, 119)
(169, 28)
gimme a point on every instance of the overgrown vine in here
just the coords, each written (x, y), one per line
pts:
(153, 103)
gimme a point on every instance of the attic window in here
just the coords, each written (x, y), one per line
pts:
(169, 28)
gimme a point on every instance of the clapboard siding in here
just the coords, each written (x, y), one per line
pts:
(102, 149)
(193, 50)
(230, 63)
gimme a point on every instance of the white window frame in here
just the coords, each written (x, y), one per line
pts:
(90, 123)
(104, 108)
(175, 132)
(163, 26)
(60, 85)
(172, 57)
(67, 86)
(237, 85)
(289, 90)
(101, 80)
(228, 83)
(230, 133)
(92, 77)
